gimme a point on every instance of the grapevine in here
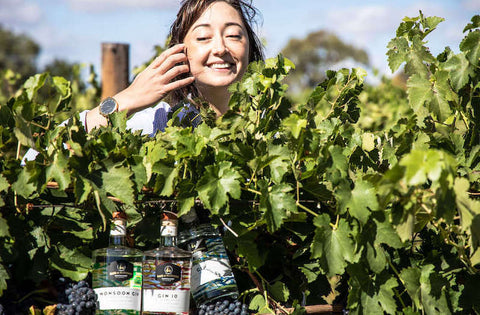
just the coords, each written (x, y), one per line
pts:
(363, 197)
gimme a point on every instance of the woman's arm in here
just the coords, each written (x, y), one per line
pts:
(150, 86)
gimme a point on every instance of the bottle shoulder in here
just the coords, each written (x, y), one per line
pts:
(168, 252)
(117, 250)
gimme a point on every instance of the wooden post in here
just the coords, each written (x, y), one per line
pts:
(115, 66)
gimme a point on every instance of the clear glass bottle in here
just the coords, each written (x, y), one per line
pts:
(117, 273)
(166, 273)
(212, 276)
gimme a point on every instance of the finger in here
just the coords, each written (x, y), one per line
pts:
(165, 54)
(179, 84)
(171, 61)
(176, 71)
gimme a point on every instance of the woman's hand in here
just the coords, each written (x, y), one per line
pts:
(156, 81)
(150, 86)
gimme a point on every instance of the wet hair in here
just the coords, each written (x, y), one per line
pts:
(189, 12)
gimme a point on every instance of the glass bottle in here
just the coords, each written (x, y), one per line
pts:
(117, 273)
(166, 273)
(212, 276)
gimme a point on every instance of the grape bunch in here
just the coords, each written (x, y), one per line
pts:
(226, 307)
(81, 299)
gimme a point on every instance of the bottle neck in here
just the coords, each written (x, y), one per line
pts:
(168, 234)
(118, 233)
(118, 240)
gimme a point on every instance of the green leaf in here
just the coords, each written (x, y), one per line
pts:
(411, 280)
(117, 182)
(430, 164)
(33, 84)
(82, 189)
(279, 291)
(467, 207)
(4, 230)
(218, 181)
(475, 23)
(333, 246)
(259, 304)
(23, 185)
(459, 70)
(363, 200)
(397, 53)
(368, 141)
(71, 263)
(386, 295)
(419, 92)
(294, 124)
(278, 166)
(277, 204)
(376, 258)
(3, 278)
(247, 247)
(23, 132)
(59, 171)
(432, 291)
(470, 46)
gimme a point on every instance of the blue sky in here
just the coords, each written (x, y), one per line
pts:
(74, 29)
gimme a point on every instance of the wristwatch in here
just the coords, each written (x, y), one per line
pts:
(108, 106)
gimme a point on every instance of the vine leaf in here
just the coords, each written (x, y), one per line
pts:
(333, 246)
(218, 181)
(276, 202)
(58, 171)
(471, 47)
(116, 181)
(362, 201)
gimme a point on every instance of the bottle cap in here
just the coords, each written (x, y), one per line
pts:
(169, 216)
(119, 215)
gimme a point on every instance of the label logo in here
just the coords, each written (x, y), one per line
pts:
(168, 273)
(120, 270)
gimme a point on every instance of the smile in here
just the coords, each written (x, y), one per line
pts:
(220, 65)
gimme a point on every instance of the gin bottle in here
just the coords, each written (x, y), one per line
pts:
(117, 273)
(212, 277)
(166, 273)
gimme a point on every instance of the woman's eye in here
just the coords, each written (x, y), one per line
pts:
(201, 39)
(235, 36)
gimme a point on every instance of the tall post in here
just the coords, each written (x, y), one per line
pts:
(115, 66)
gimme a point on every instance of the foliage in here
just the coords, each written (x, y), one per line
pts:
(329, 205)
(18, 52)
(313, 55)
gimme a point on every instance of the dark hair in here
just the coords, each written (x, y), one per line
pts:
(190, 11)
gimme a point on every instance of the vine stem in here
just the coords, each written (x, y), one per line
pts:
(306, 209)
(399, 278)
(97, 201)
(15, 197)
(261, 289)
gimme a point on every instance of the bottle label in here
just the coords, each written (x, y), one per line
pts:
(119, 228)
(175, 301)
(120, 270)
(168, 230)
(168, 273)
(161, 297)
(114, 298)
(209, 270)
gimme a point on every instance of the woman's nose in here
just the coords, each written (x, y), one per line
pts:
(219, 47)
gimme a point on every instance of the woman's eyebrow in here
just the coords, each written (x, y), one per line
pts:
(209, 25)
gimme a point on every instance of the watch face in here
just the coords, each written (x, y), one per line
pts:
(108, 106)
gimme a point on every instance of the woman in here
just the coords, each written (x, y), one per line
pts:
(212, 42)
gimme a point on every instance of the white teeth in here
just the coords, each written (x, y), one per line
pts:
(220, 65)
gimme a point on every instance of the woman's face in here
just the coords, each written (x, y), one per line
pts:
(217, 46)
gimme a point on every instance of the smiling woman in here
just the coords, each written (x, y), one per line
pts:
(212, 43)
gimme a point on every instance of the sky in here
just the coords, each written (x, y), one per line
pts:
(74, 30)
